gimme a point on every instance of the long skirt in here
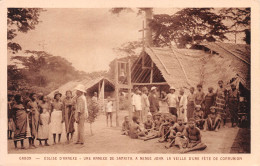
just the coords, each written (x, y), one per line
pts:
(182, 114)
(43, 131)
(69, 120)
(34, 123)
(220, 104)
(21, 125)
(81, 129)
(56, 125)
(190, 109)
(144, 113)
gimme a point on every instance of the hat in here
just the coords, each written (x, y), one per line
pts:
(172, 88)
(153, 88)
(81, 88)
(149, 114)
(57, 93)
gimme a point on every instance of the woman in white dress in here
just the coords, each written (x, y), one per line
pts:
(57, 116)
(44, 120)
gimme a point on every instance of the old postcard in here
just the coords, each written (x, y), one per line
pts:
(130, 82)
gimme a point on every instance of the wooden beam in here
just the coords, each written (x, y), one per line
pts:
(154, 83)
(116, 91)
(151, 75)
(129, 81)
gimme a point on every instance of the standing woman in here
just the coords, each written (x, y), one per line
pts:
(145, 104)
(19, 116)
(33, 109)
(43, 131)
(69, 113)
(191, 103)
(220, 102)
(57, 116)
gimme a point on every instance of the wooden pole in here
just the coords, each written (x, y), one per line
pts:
(151, 76)
(129, 89)
(117, 91)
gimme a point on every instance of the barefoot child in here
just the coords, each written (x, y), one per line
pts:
(213, 120)
(198, 116)
(193, 141)
(148, 124)
(44, 120)
(109, 110)
(135, 130)
(125, 126)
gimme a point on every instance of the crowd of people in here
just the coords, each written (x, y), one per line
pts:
(187, 115)
(36, 116)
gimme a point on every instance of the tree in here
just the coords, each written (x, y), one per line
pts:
(240, 19)
(188, 26)
(20, 20)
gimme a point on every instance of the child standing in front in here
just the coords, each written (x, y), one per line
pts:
(109, 109)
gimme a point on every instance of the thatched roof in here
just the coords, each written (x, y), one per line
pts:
(188, 67)
(238, 55)
(88, 83)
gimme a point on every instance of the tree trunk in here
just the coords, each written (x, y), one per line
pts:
(148, 32)
(90, 125)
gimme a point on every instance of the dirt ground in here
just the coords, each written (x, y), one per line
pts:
(109, 140)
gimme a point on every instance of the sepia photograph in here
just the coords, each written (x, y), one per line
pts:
(129, 80)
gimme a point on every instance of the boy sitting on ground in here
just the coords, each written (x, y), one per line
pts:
(165, 128)
(176, 128)
(125, 126)
(198, 116)
(213, 120)
(192, 139)
(135, 130)
(148, 124)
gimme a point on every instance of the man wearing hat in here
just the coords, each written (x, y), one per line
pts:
(172, 100)
(81, 112)
(154, 101)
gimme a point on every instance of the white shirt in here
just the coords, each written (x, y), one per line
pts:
(137, 102)
(109, 106)
(172, 100)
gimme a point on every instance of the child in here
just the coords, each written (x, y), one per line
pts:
(148, 124)
(198, 116)
(11, 125)
(176, 128)
(213, 120)
(192, 139)
(109, 108)
(165, 128)
(44, 120)
(125, 126)
(135, 130)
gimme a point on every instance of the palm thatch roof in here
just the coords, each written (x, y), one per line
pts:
(239, 56)
(188, 67)
(88, 83)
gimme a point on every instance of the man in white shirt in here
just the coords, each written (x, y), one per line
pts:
(137, 103)
(109, 110)
(173, 101)
(81, 112)
(183, 106)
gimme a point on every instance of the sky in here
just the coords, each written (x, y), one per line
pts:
(85, 37)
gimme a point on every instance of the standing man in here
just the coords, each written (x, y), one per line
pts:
(145, 104)
(183, 106)
(136, 102)
(173, 101)
(81, 112)
(220, 102)
(233, 103)
(154, 101)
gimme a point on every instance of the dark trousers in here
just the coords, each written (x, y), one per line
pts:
(173, 111)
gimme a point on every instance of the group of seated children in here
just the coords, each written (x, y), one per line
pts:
(169, 129)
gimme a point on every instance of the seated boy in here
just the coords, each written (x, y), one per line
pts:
(148, 124)
(125, 126)
(198, 116)
(192, 137)
(213, 120)
(135, 130)
(165, 128)
(176, 128)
